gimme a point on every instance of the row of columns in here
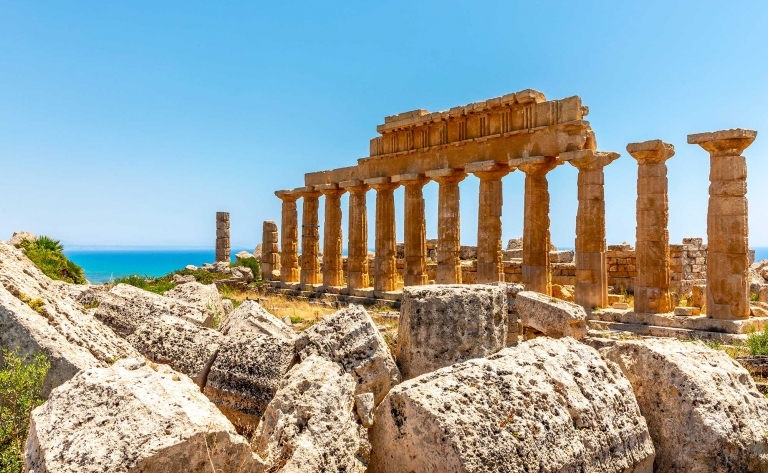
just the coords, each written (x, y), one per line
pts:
(727, 227)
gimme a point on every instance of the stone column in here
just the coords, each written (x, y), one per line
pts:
(727, 223)
(310, 236)
(415, 227)
(536, 270)
(289, 239)
(652, 247)
(448, 224)
(385, 264)
(333, 269)
(357, 249)
(591, 271)
(489, 265)
(222, 237)
(270, 253)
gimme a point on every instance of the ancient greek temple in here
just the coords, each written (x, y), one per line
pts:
(521, 132)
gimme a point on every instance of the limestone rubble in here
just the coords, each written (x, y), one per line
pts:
(554, 404)
(703, 410)
(552, 317)
(250, 317)
(133, 416)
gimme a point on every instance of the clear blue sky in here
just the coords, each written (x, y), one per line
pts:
(132, 123)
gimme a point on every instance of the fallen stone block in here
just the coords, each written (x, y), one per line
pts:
(687, 311)
(553, 317)
(182, 345)
(349, 337)
(126, 307)
(546, 405)
(562, 293)
(204, 297)
(310, 424)
(250, 317)
(246, 374)
(444, 324)
(703, 409)
(133, 416)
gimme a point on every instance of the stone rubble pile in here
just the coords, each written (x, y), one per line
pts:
(182, 393)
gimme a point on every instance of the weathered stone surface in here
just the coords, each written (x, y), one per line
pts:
(227, 305)
(184, 346)
(349, 337)
(27, 332)
(448, 248)
(126, 307)
(183, 279)
(553, 317)
(222, 237)
(246, 374)
(357, 260)
(18, 237)
(59, 320)
(703, 409)
(204, 297)
(250, 317)
(550, 405)
(310, 424)
(365, 409)
(242, 274)
(443, 324)
(131, 417)
(562, 293)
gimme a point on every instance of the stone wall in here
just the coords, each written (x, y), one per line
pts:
(622, 268)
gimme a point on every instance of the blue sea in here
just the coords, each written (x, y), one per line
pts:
(105, 265)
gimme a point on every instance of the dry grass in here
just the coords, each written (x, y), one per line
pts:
(302, 313)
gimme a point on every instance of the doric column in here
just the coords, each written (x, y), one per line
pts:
(333, 269)
(448, 224)
(357, 249)
(310, 236)
(415, 227)
(289, 239)
(652, 247)
(385, 264)
(489, 265)
(536, 271)
(222, 237)
(727, 223)
(591, 272)
(270, 253)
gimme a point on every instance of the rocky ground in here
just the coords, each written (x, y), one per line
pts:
(184, 382)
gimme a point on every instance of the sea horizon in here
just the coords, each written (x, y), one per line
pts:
(105, 263)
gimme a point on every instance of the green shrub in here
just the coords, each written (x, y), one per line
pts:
(20, 381)
(157, 285)
(47, 255)
(252, 263)
(202, 276)
(754, 297)
(757, 342)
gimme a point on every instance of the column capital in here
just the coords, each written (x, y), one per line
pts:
(330, 189)
(287, 195)
(382, 183)
(724, 142)
(411, 179)
(589, 160)
(489, 169)
(446, 175)
(307, 192)
(651, 152)
(535, 164)
(354, 186)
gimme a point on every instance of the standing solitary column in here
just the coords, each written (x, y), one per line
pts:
(652, 286)
(270, 253)
(448, 224)
(415, 227)
(289, 239)
(591, 272)
(357, 250)
(489, 265)
(333, 270)
(536, 271)
(727, 223)
(385, 264)
(310, 236)
(222, 236)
